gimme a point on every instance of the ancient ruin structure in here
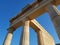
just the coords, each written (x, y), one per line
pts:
(27, 18)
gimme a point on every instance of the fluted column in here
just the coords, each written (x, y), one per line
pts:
(55, 16)
(8, 38)
(25, 34)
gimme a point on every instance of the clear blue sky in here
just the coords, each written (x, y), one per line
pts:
(9, 8)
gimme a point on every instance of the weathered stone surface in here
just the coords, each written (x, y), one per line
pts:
(8, 39)
(25, 34)
(44, 38)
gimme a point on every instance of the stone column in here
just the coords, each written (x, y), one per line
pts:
(53, 11)
(8, 38)
(40, 38)
(44, 38)
(25, 34)
(55, 16)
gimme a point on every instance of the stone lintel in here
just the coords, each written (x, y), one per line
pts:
(33, 12)
(36, 26)
(44, 38)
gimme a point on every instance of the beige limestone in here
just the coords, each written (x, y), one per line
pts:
(25, 36)
(40, 38)
(45, 38)
(8, 39)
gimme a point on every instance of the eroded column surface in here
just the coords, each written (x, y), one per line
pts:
(44, 38)
(8, 38)
(25, 34)
(55, 16)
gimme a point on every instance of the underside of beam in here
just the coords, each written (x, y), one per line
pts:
(38, 28)
(37, 10)
(31, 14)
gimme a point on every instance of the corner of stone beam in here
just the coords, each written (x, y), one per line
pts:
(11, 28)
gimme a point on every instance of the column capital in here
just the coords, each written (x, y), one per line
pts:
(25, 19)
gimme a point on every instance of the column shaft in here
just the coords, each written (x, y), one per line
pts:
(55, 16)
(25, 35)
(44, 38)
(8, 38)
(40, 38)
